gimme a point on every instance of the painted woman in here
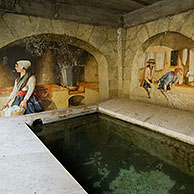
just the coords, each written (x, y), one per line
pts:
(24, 89)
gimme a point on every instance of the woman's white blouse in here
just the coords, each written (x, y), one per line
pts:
(30, 86)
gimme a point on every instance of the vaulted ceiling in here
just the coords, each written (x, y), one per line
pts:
(113, 13)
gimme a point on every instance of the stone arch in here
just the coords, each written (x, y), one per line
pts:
(171, 40)
(17, 27)
(102, 67)
(76, 100)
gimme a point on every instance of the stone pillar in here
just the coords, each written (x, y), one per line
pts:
(45, 69)
(121, 41)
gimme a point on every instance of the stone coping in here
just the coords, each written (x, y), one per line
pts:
(27, 166)
(174, 123)
(53, 115)
(171, 122)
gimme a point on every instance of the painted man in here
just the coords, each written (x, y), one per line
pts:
(168, 80)
(148, 76)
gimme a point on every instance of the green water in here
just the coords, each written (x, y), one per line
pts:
(108, 156)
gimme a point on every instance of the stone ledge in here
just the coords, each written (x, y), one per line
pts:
(53, 115)
(174, 123)
(27, 166)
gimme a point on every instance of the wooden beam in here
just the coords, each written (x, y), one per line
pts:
(142, 2)
(156, 11)
(89, 15)
(51, 10)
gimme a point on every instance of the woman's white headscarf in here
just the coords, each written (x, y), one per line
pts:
(21, 81)
(24, 64)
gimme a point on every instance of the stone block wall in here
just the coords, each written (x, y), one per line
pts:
(118, 53)
(101, 42)
(137, 39)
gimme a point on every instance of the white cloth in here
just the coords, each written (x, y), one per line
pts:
(185, 56)
(24, 64)
(143, 63)
(151, 55)
(190, 76)
(191, 60)
(168, 58)
(30, 86)
(11, 109)
(160, 57)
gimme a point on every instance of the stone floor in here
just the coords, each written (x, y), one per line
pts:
(27, 166)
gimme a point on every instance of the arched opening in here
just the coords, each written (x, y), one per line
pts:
(170, 50)
(173, 72)
(76, 100)
(60, 71)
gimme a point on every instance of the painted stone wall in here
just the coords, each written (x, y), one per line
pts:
(91, 70)
(101, 42)
(158, 39)
(121, 54)
(45, 69)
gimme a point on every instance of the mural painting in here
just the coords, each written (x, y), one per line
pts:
(168, 80)
(43, 72)
(23, 93)
(165, 82)
(167, 67)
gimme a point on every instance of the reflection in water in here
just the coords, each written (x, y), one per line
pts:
(109, 156)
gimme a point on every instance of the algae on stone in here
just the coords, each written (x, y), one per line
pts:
(132, 182)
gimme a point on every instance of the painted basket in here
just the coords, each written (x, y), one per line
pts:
(21, 112)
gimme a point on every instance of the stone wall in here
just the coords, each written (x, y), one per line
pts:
(118, 52)
(101, 42)
(91, 70)
(135, 46)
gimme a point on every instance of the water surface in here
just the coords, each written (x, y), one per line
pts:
(109, 156)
